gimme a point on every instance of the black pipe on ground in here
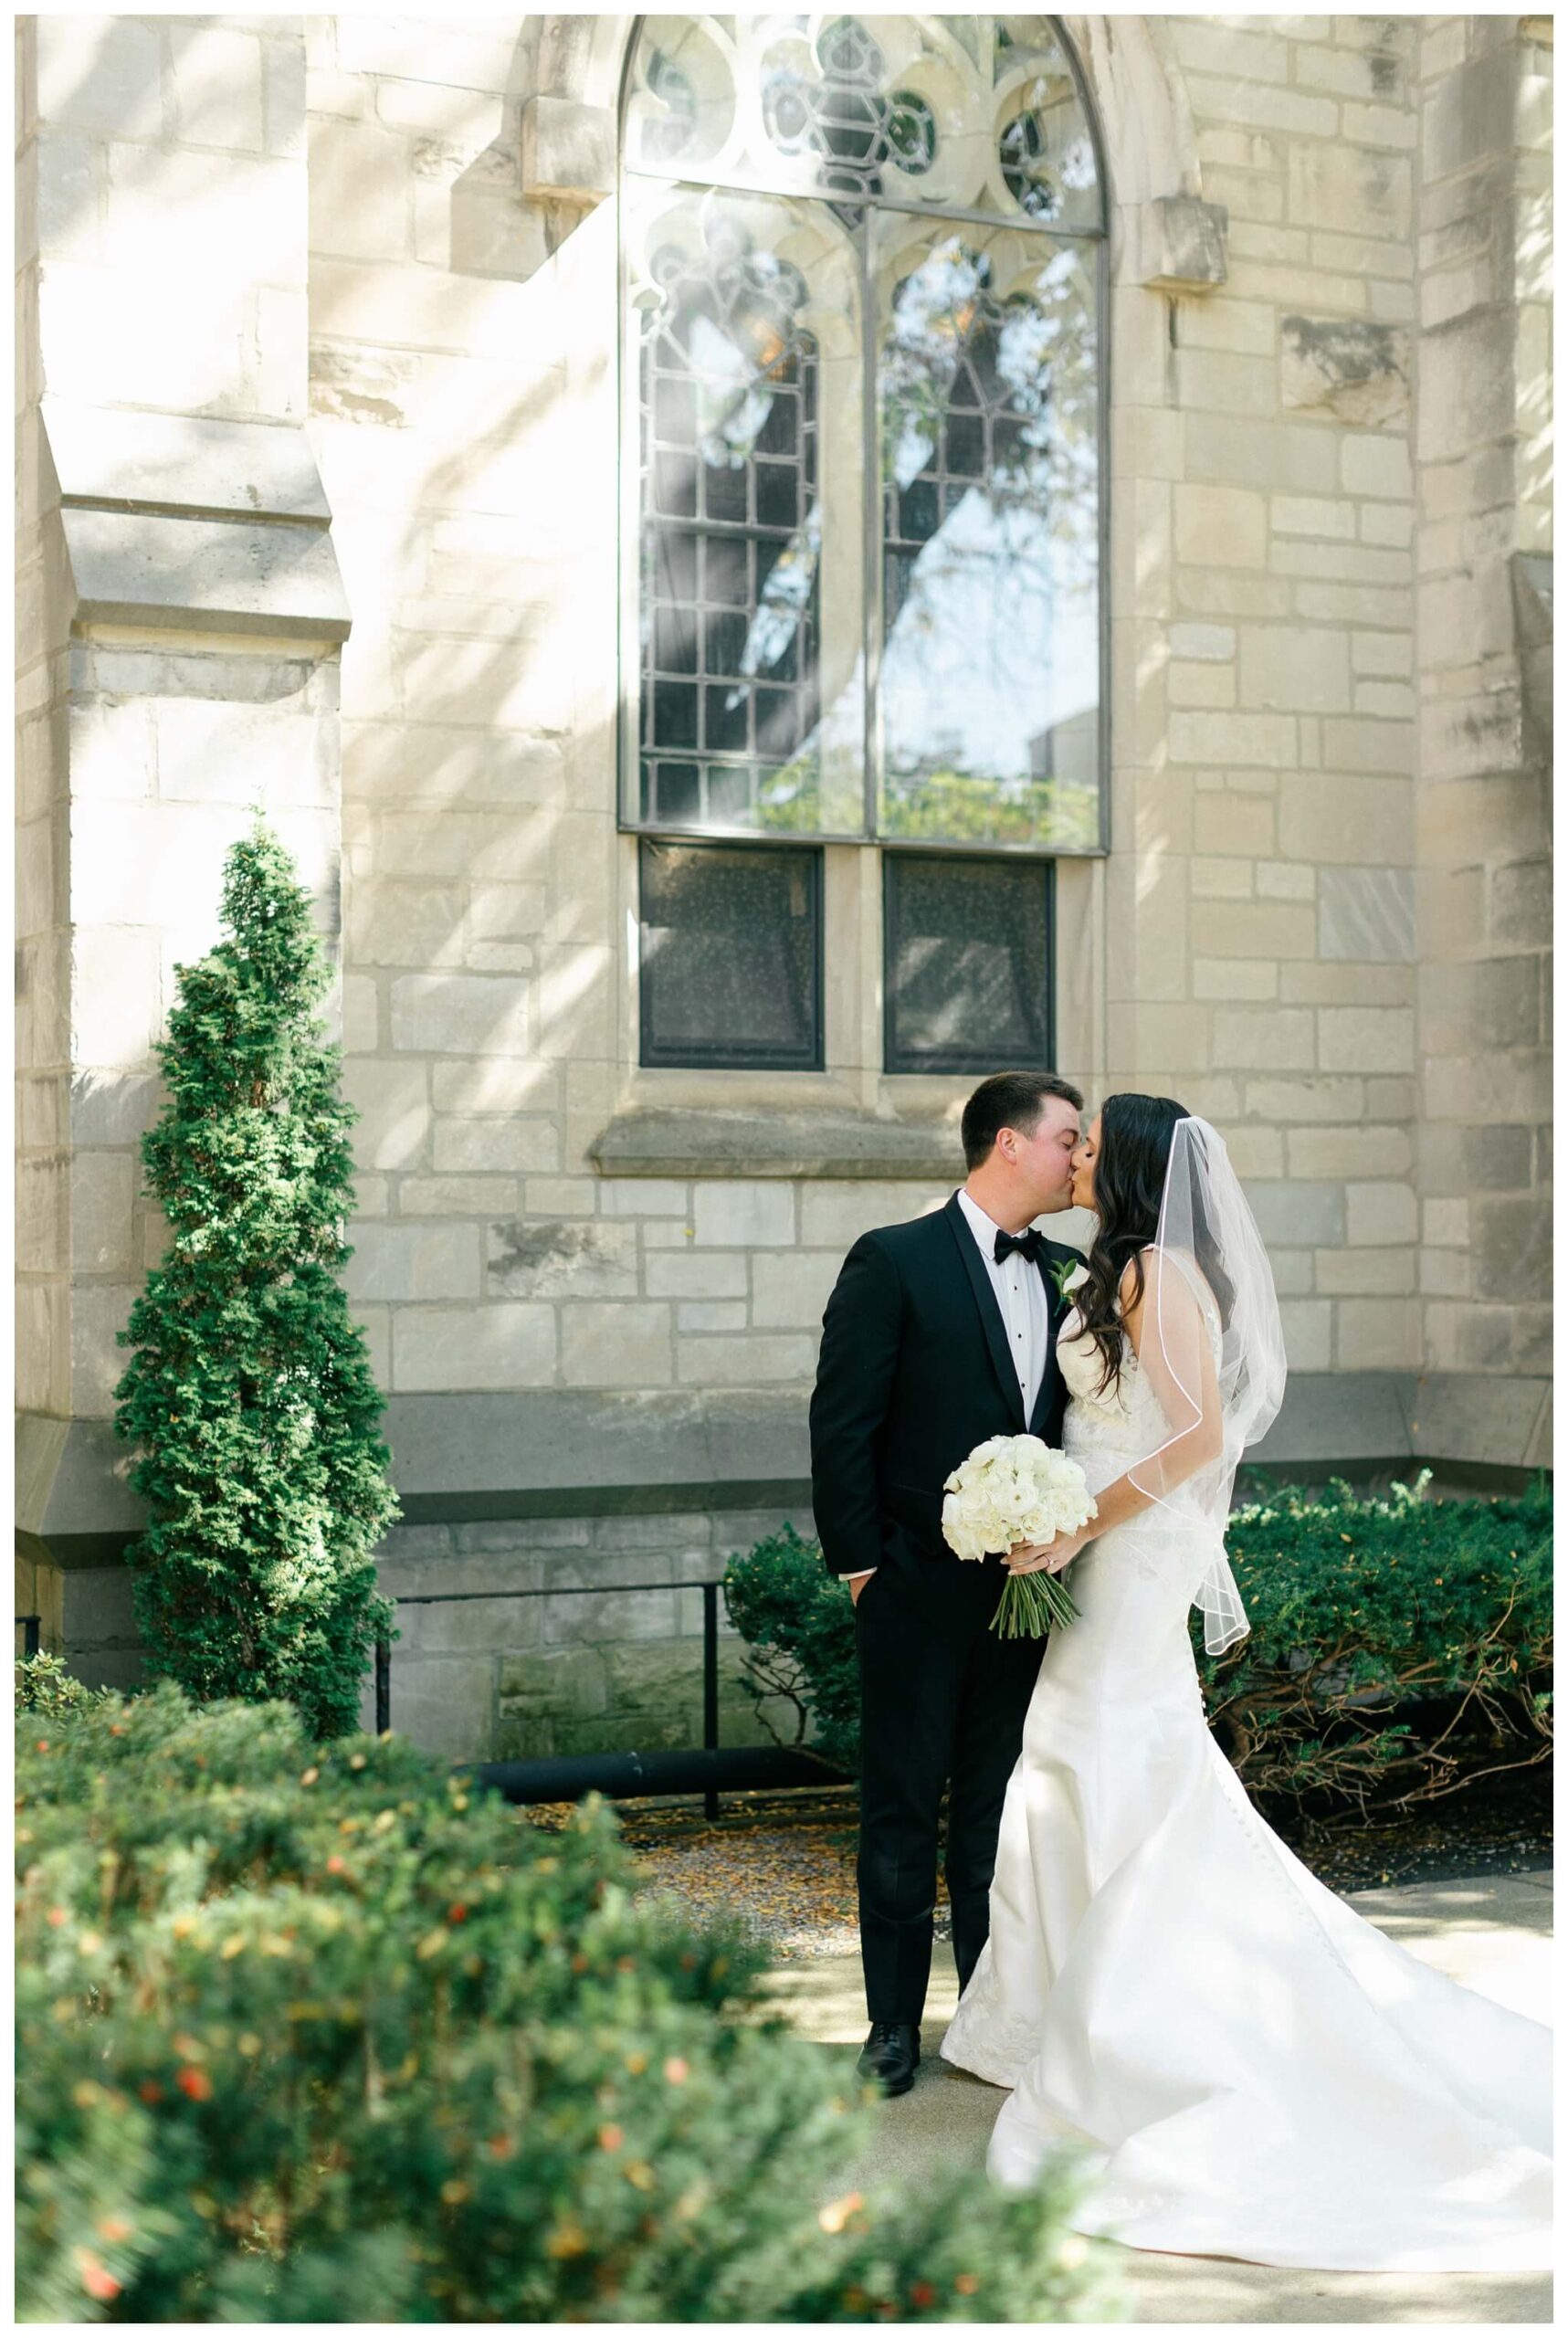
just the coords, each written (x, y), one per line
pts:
(728, 1769)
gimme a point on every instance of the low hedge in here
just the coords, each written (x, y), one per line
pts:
(320, 2034)
(1400, 1647)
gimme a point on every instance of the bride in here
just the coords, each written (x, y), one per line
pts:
(1248, 2067)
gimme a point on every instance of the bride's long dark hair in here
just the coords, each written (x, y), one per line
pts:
(1129, 1171)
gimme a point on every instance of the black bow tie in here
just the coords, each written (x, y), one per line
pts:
(1032, 1244)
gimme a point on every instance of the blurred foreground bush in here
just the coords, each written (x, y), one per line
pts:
(312, 2033)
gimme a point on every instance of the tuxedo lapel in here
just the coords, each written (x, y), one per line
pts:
(1057, 1307)
(990, 1312)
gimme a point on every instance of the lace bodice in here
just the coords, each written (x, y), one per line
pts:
(1082, 1368)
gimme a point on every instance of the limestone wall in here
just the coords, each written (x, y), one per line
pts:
(335, 528)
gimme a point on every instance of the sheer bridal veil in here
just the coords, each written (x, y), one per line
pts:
(1210, 1352)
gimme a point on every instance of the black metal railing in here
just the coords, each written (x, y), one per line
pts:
(707, 1769)
(30, 1628)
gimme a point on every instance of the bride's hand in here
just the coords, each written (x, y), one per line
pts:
(1028, 1558)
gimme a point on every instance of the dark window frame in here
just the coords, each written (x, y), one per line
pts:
(956, 1062)
(721, 1058)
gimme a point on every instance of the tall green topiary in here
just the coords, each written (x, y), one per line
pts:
(250, 1397)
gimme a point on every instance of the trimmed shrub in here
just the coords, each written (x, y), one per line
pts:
(1400, 1647)
(249, 1398)
(798, 1623)
(321, 2033)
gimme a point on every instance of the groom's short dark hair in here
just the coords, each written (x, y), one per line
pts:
(1009, 1100)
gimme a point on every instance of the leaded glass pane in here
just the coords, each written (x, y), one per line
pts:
(745, 344)
(977, 113)
(988, 688)
(730, 955)
(969, 953)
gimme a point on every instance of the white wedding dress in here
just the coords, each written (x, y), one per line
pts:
(1248, 2069)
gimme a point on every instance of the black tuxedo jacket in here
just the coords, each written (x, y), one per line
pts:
(914, 1372)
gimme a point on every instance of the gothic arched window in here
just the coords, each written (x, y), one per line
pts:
(862, 275)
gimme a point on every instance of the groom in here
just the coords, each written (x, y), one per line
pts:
(939, 1333)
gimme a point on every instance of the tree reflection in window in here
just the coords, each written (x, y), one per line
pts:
(870, 304)
(732, 534)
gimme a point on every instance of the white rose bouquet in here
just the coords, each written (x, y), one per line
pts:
(1016, 1490)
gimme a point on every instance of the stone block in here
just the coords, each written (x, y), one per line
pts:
(446, 1013)
(1361, 1153)
(1371, 1039)
(701, 1274)
(397, 923)
(1348, 367)
(1443, 1274)
(493, 1145)
(393, 1104)
(461, 1625)
(1379, 1214)
(1367, 914)
(1263, 1038)
(1283, 880)
(1354, 1273)
(505, 1345)
(1235, 979)
(1216, 642)
(1372, 1334)
(1235, 100)
(450, 1198)
(1348, 190)
(792, 1291)
(609, 1343)
(1512, 1246)
(644, 1197)
(1308, 1325)
(743, 1216)
(1299, 1213)
(1446, 1223)
(561, 1197)
(98, 1311)
(101, 73)
(215, 752)
(710, 1315)
(562, 1259)
(1295, 669)
(102, 1192)
(1377, 464)
(1492, 1005)
(638, 1615)
(110, 751)
(361, 191)
(115, 1016)
(1328, 818)
(1233, 824)
(408, 1260)
(753, 1360)
(1266, 742)
(1220, 526)
(568, 149)
(216, 86)
(1260, 930)
(446, 1704)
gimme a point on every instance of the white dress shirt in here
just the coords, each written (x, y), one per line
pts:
(1020, 1289)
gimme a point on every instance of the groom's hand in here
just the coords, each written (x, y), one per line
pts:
(858, 1583)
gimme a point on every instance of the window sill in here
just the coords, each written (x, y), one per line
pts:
(775, 1145)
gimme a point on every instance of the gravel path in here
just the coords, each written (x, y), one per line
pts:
(785, 1864)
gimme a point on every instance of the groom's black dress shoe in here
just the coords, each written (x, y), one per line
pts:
(890, 2054)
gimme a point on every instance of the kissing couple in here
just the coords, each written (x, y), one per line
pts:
(1242, 2064)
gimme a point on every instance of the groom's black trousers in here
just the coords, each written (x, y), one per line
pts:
(942, 1703)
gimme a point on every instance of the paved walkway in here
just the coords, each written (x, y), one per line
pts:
(1492, 1934)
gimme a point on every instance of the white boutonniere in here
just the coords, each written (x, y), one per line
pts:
(1067, 1274)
